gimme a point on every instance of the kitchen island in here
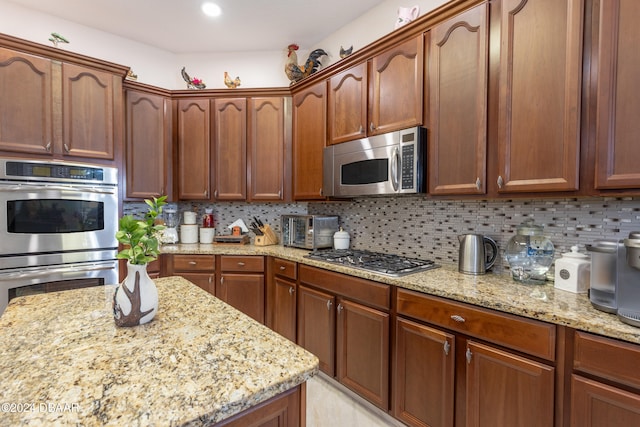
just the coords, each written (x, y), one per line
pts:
(199, 362)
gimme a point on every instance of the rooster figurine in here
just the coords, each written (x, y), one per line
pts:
(231, 83)
(296, 72)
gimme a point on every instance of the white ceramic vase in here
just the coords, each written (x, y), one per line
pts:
(136, 299)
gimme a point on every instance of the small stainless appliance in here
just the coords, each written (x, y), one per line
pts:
(604, 273)
(308, 231)
(57, 226)
(628, 286)
(474, 257)
(381, 263)
(393, 163)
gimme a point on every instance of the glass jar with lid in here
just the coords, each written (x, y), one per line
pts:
(529, 253)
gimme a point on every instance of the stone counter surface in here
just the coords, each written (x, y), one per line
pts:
(64, 362)
(498, 292)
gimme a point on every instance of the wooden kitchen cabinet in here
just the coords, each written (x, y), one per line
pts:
(539, 84)
(198, 269)
(458, 77)
(605, 385)
(230, 152)
(282, 297)
(617, 97)
(148, 142)
(344, 321)
(309, 139)
(193, 139)
(241, 284)
(347, 98)
(396, 87)
(59, 109)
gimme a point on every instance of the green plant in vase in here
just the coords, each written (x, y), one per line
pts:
(141, 236)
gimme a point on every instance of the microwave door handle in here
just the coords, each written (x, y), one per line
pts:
(395, 168)
(17, 188)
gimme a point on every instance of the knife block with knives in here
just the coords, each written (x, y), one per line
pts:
(267, 238)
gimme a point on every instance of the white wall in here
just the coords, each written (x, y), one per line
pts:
(162, 68)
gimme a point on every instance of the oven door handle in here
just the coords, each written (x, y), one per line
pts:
(17, 188)
(45, 272)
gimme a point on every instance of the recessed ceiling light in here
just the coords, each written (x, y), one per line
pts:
(211, 9)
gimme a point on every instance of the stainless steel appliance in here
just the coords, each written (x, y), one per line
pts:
(393, 163)
(628, 286)
(604, 273)
(57, 225)
(381, 263)
(308, 231)
(473, 257)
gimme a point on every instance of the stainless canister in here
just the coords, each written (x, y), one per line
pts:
(604, 277)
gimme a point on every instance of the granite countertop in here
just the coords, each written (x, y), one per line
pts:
(494, 291)
(64, 362)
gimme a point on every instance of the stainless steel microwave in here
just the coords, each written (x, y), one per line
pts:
(392, 163)
(308, 231)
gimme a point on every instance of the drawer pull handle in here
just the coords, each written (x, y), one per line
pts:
(468, 355)
(291, 290)
(283, 268)
(457, 318)
(240, 264)
(192, 262)
(446, 348)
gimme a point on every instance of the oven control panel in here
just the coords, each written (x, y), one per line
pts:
(27, 170)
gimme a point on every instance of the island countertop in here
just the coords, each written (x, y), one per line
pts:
(200, 361)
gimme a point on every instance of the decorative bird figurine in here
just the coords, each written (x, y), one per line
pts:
(296, 72)
(192, 83)
(57, 38)
(231, 84)
(345, 52)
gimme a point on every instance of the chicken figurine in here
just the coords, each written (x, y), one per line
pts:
(296, 72)
(231, 83)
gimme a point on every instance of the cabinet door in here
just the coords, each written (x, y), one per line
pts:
(396, 87)
(230, 130)
(504, 389)
(362, 351)
(458, 104)
(309, 139)
(539, 101)
(284, 309)
(316, 326)
(90, 114)
(193, 149)
(244, 292)
(618, 96)
(205, 281)
(26, 108)
(267, 148)
(594, 404)
(147, 144)
(347, 101)
(423, 375)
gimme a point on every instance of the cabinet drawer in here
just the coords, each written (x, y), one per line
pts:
(284, 268)
(242, 263)
(190, 263)
(607, 358)
(529, 336)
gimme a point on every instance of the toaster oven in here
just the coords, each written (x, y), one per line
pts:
(308, 231)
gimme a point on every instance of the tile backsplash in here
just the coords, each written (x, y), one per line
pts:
(425, 228)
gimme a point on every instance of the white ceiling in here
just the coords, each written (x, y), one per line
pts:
(179, 26)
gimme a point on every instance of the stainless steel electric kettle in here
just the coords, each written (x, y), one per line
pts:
(477, 253)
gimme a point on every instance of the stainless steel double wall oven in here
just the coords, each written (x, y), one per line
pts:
(57, 226)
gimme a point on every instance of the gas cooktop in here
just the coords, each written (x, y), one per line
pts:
(381, 263)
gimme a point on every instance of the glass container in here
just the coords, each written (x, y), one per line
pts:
(529, 253)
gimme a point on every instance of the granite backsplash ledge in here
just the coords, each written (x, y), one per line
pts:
(425, 228)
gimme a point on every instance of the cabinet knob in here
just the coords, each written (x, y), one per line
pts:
(66, 148)
(215, 194)
(457, 318)
(222, 280)
(48, 147)
(468, 355)
(478, 183)
(329, 303)
(500, 181)
(361, 130)
(283, 268)
(340, 307)
(210, 279)
(291, 290)
(371, 127)
(446, 348)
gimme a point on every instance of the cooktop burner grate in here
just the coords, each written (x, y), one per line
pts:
(386, 264)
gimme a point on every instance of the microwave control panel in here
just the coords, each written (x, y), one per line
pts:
(408, 155)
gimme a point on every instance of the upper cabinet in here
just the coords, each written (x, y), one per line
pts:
(230, 148)
(617, 95)
(379, 95)
(457, 159)
(59, 109)
(193, 140)
(309, 139)
(148, 143)
(539, 84)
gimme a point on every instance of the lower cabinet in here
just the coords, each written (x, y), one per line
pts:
(241, 284)
(282, 410)
(282, 297)
(345, 321)
(454, 362)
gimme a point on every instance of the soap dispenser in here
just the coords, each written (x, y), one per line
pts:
(573, 272)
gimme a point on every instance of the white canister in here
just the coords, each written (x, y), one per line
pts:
(207, 234)
(573, 272)
(341, 239)
(189, 218)
(189, 233)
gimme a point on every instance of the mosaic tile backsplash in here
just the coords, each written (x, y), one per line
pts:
(429, 229)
